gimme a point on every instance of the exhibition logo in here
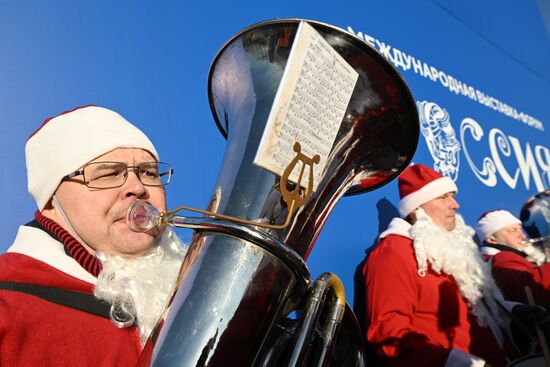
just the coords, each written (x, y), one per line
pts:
(440, 138)
(494, 156)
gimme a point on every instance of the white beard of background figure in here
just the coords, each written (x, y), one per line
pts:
(440, 137)
(456, 254)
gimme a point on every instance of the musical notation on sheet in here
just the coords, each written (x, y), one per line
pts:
(309, 105)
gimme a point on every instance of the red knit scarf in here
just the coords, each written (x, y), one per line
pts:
(73, 248)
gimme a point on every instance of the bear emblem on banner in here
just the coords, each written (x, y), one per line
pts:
(440, 138)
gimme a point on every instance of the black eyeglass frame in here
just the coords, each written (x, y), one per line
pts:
(136, 170)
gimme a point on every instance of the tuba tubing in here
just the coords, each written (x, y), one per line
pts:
(315, 302)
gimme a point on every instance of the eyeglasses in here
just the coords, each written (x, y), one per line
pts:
(108, 175)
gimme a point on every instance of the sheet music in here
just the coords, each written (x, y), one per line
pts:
(309, 105)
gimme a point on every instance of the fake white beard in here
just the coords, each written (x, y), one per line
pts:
(142, 285)
(456, 254)
(534, 254)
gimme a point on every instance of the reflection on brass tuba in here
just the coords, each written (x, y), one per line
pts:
(244, 295)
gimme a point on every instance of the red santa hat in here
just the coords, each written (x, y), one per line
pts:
(419, 184)
(493, 221)
(66, 142)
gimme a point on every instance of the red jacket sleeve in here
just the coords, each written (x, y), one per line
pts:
(391, 290)
(513, 272)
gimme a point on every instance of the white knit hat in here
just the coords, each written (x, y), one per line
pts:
(419, 184)
(493, 221)
(66, 142)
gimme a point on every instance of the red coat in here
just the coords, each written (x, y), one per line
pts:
(417, 321)
(35, 332)
(513, 272)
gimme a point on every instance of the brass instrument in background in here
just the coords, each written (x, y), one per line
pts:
(535, 219)
(244, 296)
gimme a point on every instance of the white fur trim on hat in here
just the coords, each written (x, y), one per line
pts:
(431, 190)
(494, 221)
(67, 142)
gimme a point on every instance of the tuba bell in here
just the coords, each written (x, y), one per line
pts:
(244, 296)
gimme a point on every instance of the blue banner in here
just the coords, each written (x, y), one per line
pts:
(479, 72)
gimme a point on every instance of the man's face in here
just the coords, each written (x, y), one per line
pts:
(511, 235)
(442, 210)
(99, 215)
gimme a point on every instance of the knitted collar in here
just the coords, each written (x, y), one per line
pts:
(72, 247)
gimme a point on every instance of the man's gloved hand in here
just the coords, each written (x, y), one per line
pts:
(529, 317)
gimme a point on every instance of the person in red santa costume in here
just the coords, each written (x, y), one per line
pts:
(430, 298)
(514, 261)
(78, 287)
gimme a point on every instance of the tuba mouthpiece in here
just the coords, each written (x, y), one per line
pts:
(142, 216)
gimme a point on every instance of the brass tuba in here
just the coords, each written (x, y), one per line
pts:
(244, 295)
